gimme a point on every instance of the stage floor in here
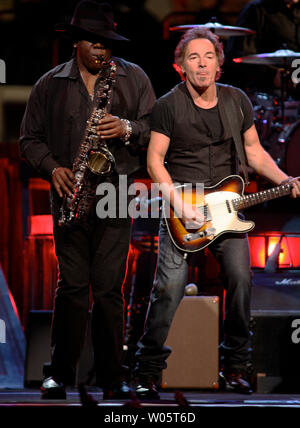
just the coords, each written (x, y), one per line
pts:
(170, 398)
(184, 408)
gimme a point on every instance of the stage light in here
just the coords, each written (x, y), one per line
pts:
(284, 260)
(40, 225)
(263, 245)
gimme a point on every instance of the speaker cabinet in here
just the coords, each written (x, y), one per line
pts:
(278, 291)
(276, 350)
(275, 312)
(194, 340)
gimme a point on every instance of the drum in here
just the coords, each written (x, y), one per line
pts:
(264, 106)
(284, 147)
(291, 111)
(268, 112)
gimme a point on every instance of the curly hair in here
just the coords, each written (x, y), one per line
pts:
(199, 33)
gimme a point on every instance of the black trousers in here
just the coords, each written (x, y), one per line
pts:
(91, 257)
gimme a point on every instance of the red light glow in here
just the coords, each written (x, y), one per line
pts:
(262, 246)
(40, 225)
(284, 258)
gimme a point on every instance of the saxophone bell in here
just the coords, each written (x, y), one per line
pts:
(100, 161)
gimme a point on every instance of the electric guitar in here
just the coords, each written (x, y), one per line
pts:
(220, 205)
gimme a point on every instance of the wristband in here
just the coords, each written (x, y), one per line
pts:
(128, 131)
(286, 181)
(54, 171)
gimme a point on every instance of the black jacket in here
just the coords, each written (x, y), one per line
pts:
(59, 106)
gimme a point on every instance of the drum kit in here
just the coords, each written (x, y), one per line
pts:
(277, 118)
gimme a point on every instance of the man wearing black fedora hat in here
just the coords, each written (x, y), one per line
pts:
(92, 252)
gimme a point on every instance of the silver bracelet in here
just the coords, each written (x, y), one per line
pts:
(53, 171)
(128, 131)
(286, 181)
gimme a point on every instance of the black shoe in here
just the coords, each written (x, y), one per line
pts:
(234, 382)
(120, 391)
(147, 390)
(52, 390)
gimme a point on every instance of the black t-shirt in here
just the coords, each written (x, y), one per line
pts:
(201, 145)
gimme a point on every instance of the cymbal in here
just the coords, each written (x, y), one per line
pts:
(282, 57)
(218, 29)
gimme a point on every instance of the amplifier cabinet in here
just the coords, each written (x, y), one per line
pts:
(194, 340)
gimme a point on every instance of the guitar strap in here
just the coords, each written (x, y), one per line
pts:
(231, 116)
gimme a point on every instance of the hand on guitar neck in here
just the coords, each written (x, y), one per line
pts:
(295, 181)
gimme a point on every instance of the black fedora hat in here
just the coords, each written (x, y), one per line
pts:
(93, 18)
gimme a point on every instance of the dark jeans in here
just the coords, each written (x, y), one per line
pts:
(232, 252)
(92, 257)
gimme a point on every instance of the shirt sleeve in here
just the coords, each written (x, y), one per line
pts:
(33, 141)
(247, 110)
(162, 117)
(146, 96)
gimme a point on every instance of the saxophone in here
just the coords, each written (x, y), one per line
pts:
(94, 160)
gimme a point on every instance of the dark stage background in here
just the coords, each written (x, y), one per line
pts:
(30, 48)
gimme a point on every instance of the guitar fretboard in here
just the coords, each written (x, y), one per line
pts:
(263, 196)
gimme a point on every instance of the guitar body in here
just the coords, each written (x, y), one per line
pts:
(221, 216)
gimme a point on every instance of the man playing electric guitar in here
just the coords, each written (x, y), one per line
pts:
(193, 127)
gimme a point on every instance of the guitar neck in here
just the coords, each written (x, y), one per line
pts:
(259, 197)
